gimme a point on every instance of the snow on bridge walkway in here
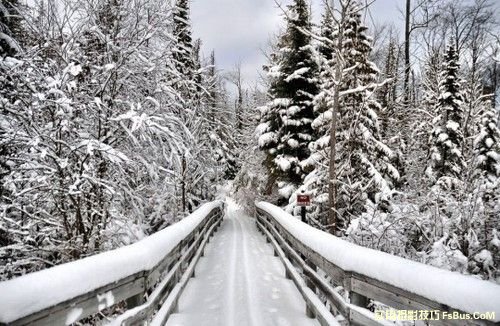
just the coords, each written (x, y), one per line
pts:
(239, 282)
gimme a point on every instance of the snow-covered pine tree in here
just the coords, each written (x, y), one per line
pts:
(219, 117)
(187, 80)
(387, 93)
(212, 85)
(486, 253)
(211, 160)
(183, 50)
(487, 146)
(325, 47)
(217, 135)
(364, 172)
(446, 161)
(253, 99)
(285, 131)
(10, 31)
(476, 103)
(250, 181)
(184, 56)
(325, 51)
(431, 81)
(317, 182)
(421, 121)
(199, 96)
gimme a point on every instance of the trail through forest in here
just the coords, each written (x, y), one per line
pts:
(240, 282)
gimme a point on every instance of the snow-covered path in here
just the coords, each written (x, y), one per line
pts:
(239, 282)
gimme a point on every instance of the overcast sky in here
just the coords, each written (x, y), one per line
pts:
(238, 29)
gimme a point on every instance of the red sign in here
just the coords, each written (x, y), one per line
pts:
(303, 200)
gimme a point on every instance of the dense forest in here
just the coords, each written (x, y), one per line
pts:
(114, 125)
(396, 140)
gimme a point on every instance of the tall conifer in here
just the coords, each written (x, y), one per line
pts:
(183, 49)
(363, 162)
(446, 161)
(285, 131)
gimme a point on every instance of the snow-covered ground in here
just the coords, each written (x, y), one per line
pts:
(240, 282)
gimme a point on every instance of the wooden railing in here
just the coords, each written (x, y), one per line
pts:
(336, 295)
(160, 285)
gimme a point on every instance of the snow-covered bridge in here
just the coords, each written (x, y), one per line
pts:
(288, 274)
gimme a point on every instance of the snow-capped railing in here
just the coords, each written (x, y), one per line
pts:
(347, 276)
(159, 266)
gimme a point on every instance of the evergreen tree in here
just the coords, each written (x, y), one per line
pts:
(218, 117)
(197, 75)
(10, 33)
(387, 93)
(317, 181)
(325, 58)
(476, 103)
(183, 50)
(285, 131)
(487, 146)
(327, 35)
(431, 82)
(421, 121)
(482, 230)
(364, 170)
(186, 64)
(446, 161)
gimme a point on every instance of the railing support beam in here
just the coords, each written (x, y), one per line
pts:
(358, 299)
(310, 284)
(135, 301)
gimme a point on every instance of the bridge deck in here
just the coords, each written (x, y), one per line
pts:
(239, 282)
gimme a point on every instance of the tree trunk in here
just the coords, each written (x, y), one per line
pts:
(332, 189)
(183, 183)
(407, 53)
(495, 83)
(332, 176)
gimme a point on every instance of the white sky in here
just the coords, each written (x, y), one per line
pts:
(238, 29)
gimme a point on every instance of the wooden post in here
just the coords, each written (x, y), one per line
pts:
(310, 284)
(303, 214)
(358, 299)
(407, 71)
(175, 306)
(183, 183)
(135, 301)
